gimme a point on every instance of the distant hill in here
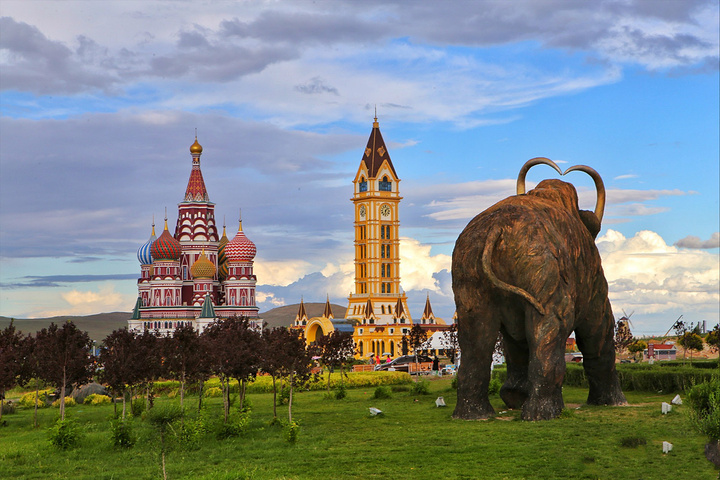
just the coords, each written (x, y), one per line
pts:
(284, 316)
(101, 325)
(98, 326)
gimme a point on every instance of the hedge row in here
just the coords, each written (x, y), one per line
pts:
(645, 378)
(263, 383)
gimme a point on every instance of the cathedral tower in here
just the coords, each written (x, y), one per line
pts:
(377, 297)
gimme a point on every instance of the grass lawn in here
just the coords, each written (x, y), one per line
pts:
(413, 439)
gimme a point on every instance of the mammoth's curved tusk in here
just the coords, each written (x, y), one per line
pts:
(599, 187)
(529, 164)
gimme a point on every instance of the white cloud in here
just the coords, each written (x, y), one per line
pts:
(280, 272)
(89, 302)
(417, 265)
(647, 275)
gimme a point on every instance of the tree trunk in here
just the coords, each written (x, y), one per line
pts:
(241, 393)
(37, 398)
(182, 388)
(292, 382)
(202, 385)
(328, 382)
(274, 397)
(2, 403)
(226, 397)
(147, 396)
(124, 400)
(62, 396)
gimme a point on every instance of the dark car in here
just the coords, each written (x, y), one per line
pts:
(400, 364)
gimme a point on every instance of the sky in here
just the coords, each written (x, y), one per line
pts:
(100, 102)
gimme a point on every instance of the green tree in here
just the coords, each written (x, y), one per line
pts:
(690, 341)
(335, 350)
(713, 339)
(638, 346)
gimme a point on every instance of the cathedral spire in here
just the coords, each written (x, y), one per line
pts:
(328, 311)
(196, 191)
(376, 152)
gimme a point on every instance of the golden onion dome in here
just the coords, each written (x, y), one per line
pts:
(202, 268)
(196, 147)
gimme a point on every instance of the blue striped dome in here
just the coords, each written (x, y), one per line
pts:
(143, 254)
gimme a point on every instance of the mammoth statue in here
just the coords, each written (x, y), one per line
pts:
(528, 267)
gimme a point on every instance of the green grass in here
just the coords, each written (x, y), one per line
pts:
(338, 439)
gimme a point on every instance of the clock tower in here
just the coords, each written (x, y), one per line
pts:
(377, 304)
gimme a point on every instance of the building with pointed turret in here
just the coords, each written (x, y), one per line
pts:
(191, 276)
(377, 310)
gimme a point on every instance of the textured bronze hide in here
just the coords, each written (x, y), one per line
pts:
(529, 268)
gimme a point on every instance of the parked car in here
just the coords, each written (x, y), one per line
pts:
(400, 364)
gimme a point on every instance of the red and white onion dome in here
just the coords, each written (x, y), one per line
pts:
(240, 248)
(202, 268)
(166, 247)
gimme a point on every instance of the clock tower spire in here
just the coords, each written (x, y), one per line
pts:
(376, 199)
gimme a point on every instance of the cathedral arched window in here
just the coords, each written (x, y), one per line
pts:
(385, 184)
(362, 185)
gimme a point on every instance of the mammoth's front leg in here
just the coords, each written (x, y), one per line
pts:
(546, 370)
(477, 332)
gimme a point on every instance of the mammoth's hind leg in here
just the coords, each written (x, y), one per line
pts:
(515, 390)
(477, 332)
(595, 339)
(546, 369)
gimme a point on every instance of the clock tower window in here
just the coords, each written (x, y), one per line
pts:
(385, 184)
(362, 186)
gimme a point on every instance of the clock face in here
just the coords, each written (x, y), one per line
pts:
(385, 211)
(362, 211)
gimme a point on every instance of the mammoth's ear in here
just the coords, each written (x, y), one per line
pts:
(591, 222)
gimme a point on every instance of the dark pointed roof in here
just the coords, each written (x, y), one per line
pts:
(208, 311)
(399, 309)
(301, 312)
(427, 312)
(369, 313)
(136, 310)
(327, 313)
(376, 152)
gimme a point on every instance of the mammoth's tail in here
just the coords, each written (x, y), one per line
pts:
(490, 242)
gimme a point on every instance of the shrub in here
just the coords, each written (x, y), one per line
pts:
(494, 386)
(292, 430)
(96, 399)
(64, 434)
(237, 424)
(137, 406)
(382, 392)
(420, 388)
(340, 393)
(213, 392)
(633, 442)
(400, 388)
(453, 383)
(247, 405)
(188, 432)
(69, 402)
(704, 403)
(121, 433)
(28, 400)
(8, 408)
(162, 416)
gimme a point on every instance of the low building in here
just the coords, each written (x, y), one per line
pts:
(660, 351)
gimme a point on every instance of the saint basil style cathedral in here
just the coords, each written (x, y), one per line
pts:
(192, 276)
